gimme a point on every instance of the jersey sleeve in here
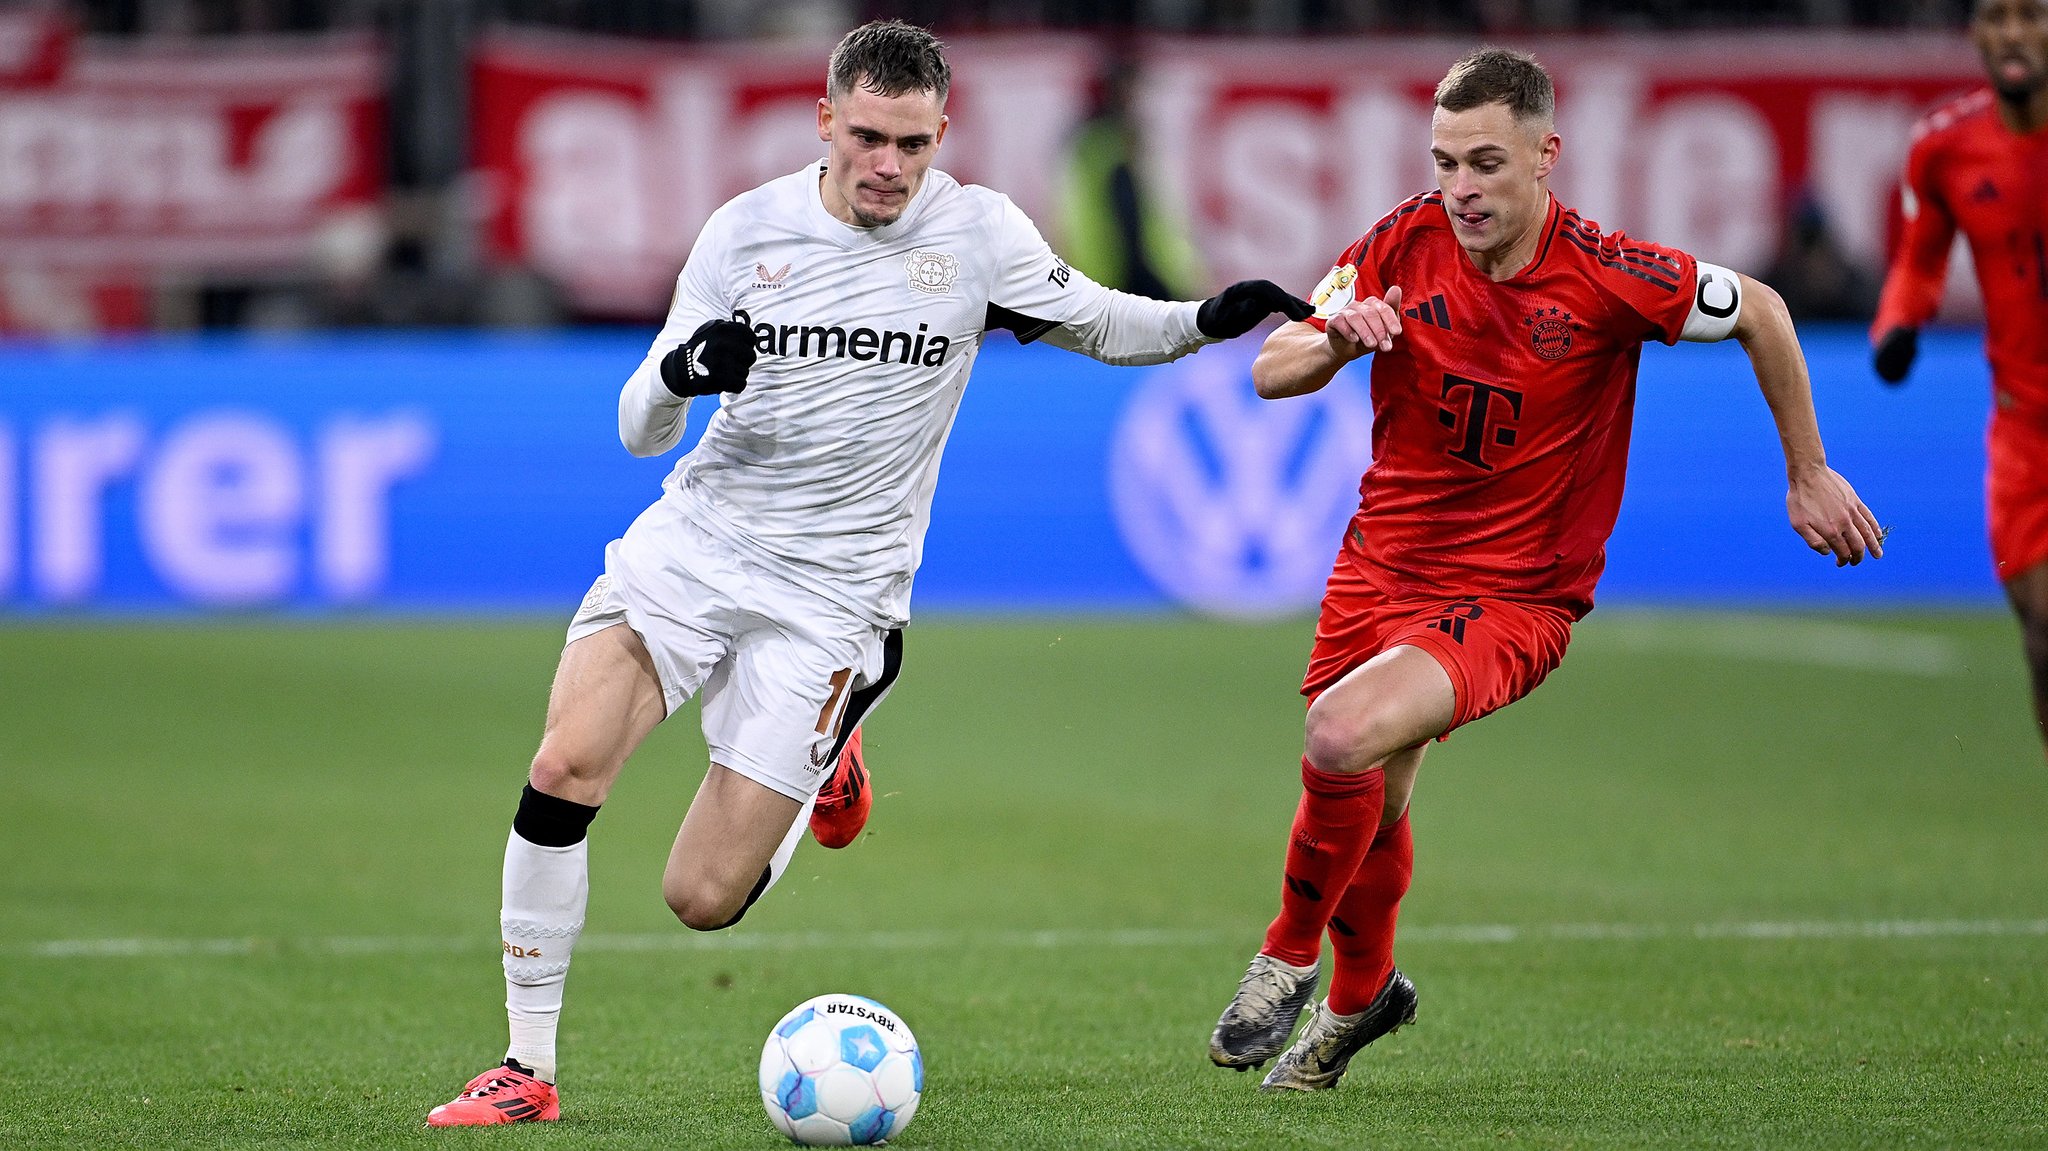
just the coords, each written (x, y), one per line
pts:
(1912, 287)
(1033, 290)
(1651, 285)
(651, 417)
(1355, 276)
(702, 292)
(1035, 293)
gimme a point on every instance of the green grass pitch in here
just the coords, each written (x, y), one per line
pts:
(1725, 881)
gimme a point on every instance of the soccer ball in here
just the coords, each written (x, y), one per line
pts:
(840, 1071)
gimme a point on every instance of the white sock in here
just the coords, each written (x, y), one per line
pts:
(545, 892)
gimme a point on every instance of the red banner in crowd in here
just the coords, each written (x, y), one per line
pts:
(1284, 156)
(221, 157)
(604, 158)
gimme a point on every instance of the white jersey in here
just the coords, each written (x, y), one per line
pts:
(824, 467)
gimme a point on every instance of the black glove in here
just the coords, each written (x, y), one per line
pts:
(716, 359)
(1895, 354)
(1238, 308)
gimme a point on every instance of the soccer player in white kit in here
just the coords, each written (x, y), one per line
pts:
(839, 310)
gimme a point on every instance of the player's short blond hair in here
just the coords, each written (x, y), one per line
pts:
(1499, 76)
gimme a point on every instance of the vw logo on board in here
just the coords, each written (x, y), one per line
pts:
(1234, 505)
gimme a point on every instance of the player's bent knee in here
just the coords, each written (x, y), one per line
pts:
(1331, 744)
(1344, 740)
(703, 906)
(574, 778)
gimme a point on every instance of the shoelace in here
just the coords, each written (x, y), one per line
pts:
(1261, 989)
(1322, 1037)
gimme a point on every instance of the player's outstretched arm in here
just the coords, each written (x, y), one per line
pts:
(1039, 296)
(1298, 359)
(1824, 509)
(1127, 330)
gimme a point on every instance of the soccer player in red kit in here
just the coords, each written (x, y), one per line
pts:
(1505, 332)
(1980, 164)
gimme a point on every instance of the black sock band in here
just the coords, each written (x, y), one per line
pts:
(546, 821)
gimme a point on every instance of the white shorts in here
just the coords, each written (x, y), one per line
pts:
(777, 664)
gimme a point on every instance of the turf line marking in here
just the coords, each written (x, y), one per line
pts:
(1497, 933)
(1787, 640)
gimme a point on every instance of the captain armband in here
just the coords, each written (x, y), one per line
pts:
(1716, 305)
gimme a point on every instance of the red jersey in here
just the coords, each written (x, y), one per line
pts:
(1967, 170)
(1501, 417)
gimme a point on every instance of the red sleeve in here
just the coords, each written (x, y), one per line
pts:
(1912, 289)
(1652, 286)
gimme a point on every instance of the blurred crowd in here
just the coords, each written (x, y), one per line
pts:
(729, 19)
(413, 257)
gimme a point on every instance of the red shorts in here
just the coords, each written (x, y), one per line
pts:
(2016, 491)
(1495, 650)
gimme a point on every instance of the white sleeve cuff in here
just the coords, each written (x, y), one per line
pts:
(1131, 330)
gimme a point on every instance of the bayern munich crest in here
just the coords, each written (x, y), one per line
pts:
(1550, 332)
(931, 272)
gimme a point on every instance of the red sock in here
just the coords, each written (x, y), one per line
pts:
(1362, 930)
(1332, 829)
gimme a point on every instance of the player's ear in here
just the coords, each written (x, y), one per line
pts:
(939, 136)
(825, 118)
(1547, 151)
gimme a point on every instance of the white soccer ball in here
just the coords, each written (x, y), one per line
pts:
(841, 1071)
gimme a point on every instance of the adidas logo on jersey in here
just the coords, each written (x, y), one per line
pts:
(836, 342)
(1431, 311)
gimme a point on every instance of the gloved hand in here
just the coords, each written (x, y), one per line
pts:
(1238, 308)
(716, 359)
(1895, 353)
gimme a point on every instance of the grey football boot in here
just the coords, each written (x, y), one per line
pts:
(1318, 1059)
(1261, 1016)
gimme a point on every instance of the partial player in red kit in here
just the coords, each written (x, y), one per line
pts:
(1980, 165)
(1505, 332)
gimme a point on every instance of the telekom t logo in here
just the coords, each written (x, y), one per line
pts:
(1472, 424)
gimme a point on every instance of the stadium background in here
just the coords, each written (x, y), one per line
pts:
(275, 178)
(314, 315)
